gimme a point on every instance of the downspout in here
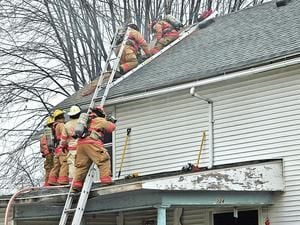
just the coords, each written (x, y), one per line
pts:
(211, 134)
(210, 125)
(113, 148)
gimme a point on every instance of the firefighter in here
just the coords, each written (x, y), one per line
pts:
(204, 15)
(131, 52)
(165, 33)
(90, 149)
(67, 138)
(47, 151)
(59, 172)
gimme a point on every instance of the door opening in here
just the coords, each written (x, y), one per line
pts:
(244, 218)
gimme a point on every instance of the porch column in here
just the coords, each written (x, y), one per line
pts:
(162, 215)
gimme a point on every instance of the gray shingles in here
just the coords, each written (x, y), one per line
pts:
(234, 41)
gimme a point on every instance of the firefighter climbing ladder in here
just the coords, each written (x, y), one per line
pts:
(182, 36)
(79, 210)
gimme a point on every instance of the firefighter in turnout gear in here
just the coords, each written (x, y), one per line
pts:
(59, 172)
(131, 52)
(90, 149)
(165, 33)
(204, 15)
(47, 151)
(67, 138)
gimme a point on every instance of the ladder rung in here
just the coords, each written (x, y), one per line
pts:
(69, 210)
(72, 194)
(103, 82)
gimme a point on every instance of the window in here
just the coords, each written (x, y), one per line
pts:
(244, 218)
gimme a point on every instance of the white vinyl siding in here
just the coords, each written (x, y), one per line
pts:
(190, 216)
(166, 134)
(255, 118)
(259, 119)
(194, 216)
(100, 219)
(139, 217)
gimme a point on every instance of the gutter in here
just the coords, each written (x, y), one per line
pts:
(207, 81)
(8, 211)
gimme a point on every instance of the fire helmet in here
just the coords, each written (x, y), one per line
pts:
(49, 120)
(74, 110)
(57, 113)
(133, 26)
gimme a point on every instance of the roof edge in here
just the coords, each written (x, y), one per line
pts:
(211, 80)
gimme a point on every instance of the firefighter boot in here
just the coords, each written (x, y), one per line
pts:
(106, 180)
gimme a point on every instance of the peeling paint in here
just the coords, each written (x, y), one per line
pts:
(181, 178)
(244, 178)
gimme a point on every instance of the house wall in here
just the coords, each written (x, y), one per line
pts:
(190, 216)
(2, 216)
(91, 219)
(255, 118)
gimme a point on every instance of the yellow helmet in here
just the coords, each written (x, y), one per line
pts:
(49, 120)
(74, 110)
(57, 113)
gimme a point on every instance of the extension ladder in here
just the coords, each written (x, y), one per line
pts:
(79, 209)
(182, 36)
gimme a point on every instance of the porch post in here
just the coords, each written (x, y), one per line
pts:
(161, 215)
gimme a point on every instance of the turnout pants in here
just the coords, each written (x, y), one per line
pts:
(71, 163)
(128, 59)
(59, 172)
(86, 155)
(48, 165)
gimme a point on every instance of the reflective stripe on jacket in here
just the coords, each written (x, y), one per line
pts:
(43, 145)
(136, 41)
(58, 128)
(164, 29)
(97, 125)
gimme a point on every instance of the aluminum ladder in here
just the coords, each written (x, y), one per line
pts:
(79, 210)
(80, 207)
(185, 33)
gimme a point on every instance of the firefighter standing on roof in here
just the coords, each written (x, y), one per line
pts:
(47, 151)
(90, 149)
(67, 138)
(59, 172)
(129, 58)
(165, 33)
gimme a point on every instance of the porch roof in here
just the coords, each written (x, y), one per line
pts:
(245, 185)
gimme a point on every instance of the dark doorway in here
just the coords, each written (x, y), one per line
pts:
(244, 218)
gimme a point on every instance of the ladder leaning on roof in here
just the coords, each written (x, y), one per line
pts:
(80, 207)
(79, 210)
(182, 36)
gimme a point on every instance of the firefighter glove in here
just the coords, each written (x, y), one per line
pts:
(111, 118)
(144, 57)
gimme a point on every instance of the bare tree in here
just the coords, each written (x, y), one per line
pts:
(51, 48)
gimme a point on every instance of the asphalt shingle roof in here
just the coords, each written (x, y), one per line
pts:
(235, 41)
